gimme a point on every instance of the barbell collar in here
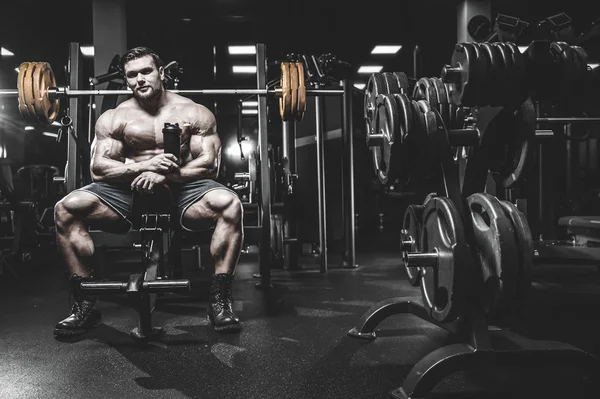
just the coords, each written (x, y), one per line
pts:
(544, 133)
(408, 244)
(165, 285)
(105, 287)
(464, 137)
(375, 140)
(417, 259)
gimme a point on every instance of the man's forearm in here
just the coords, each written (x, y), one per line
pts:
(117, 172)
(189, 172)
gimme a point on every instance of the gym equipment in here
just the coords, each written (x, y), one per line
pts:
(498, 252)
(508, 140)
(255, 234)
(154, 216)
(468, 245)
(39, 97)
(292, 102)
(476, 69)
(381, 134)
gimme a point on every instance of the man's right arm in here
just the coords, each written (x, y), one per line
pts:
(108, 155)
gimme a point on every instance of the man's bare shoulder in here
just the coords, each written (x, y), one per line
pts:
(199, 116)
(111, 122)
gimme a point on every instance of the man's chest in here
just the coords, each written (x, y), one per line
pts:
(147, 133)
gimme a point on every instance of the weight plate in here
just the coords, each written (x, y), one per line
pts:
(480, 67)
(387, 128)
(495, 81)
(505, 72)
(562, 51)
(43, 79)
(525, 249)
(518, 75)
(375, 86)
(411, 231)
(442, 97)
(293, 90)
(582, 57)
(464, 91)
(401, 151)
(510, 138)
(21, 90)
(285, 101)
(425, 90)
(497, 247)
(425, 164)
(402, 82)
(301, 103)
(392, 85)
(444, 287)
(28, 92)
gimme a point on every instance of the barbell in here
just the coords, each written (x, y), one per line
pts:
(39, 97)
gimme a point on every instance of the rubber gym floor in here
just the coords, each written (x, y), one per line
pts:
(293, 343)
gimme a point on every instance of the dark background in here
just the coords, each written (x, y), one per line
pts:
(41, 31)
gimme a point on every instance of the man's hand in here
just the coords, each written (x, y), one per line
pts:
(162, 163)
(146, 181)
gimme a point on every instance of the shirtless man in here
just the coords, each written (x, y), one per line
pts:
(127, 154)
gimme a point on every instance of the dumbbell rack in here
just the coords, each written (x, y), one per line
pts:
(471, 328)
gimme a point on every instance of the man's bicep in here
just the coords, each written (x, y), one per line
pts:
(105, 145)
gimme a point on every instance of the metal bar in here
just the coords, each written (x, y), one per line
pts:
(569, 161)
(321, 184)
(72, 170)
(568, 120)
(265, 188)
(348, 175)
(74, 93)
(540, 215)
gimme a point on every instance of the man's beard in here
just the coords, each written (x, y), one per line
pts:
(148, 95)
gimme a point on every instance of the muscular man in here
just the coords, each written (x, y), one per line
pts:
(127, 154)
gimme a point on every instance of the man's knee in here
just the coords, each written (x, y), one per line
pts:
(227, 206)
(71, 207)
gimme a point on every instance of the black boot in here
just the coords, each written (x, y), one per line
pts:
(84, 314)
(220, 311)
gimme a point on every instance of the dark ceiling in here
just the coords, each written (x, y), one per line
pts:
(41, 30)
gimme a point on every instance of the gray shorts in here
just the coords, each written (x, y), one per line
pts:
(119, 197)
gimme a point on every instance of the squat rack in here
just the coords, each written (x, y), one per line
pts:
(76, 143)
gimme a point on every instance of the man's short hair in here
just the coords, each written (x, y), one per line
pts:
(139, 52)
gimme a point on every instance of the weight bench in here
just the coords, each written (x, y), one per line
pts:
(584, 229)
(153, 215)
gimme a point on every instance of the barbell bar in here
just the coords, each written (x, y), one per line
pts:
(58, 92)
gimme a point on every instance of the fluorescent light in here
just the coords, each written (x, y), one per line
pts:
(186, 19)
(523, 49)
(6, 52)
(249, 103)
(250, 111)
(387, 49)
(370, 69)
(359, 86)
(88, 51)
(50, 134)
(242, 50)
(29, 128)
(244, 69)
(593, 65)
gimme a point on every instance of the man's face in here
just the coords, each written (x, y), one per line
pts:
(143, 78)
